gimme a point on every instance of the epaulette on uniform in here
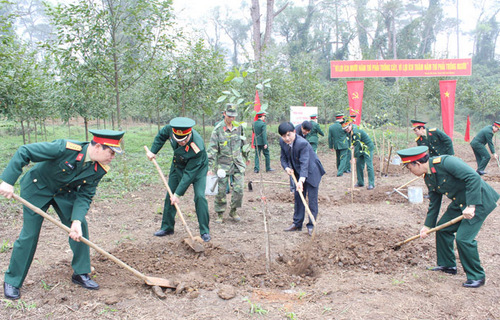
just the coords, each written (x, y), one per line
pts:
(105, 167)
(73, 146)
(436, 160)
(194, 147)
(433, 129)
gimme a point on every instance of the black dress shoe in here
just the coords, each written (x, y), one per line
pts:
(370, 187)
(255, 170)
(450, 270)
(206, 237)
(481, 172)
(358, 185)
(270, 170)
(11, 292)
(84, 281)
(162, 233)
(348, 171)
(310, 231)
(474, 283)
(293, 228)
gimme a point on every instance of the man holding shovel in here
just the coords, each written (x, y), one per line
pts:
(189, 166)
(65, 176)
(469, 194)
(228, 150)
(299, 159)
(483, 137)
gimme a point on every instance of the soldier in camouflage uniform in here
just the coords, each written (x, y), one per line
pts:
(228, 150)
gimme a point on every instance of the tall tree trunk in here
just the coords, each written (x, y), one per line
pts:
(255, 13)
(86, 123)
(36, 131)
(23, 131)
(158, 116)
(260, 43)
(28, 128)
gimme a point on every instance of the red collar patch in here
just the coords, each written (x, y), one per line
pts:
(79, 157)
(433, 170)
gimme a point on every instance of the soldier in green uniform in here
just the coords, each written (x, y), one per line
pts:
(363, 152)
(439, 143)
(66, 175)
(312, 136)
(189, 166)
(228, 150)
(483, 137)
(469, 194)
(338, 140)
(260, 131)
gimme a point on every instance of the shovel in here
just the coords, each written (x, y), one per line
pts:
(193, 242)
(151, 281)
(442, 226)
(307, 207)
(250, 183)
(404, 185)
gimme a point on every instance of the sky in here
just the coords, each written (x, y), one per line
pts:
(192, 11)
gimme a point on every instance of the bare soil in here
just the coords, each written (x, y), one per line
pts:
(349, 271)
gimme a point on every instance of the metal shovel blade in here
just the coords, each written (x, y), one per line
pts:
(195, 245)
(155, 281)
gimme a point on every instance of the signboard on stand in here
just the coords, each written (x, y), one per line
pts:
(300, 114)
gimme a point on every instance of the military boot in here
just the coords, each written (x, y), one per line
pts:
(234, 215)
(219, 218)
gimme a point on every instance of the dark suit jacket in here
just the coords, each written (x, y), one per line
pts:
(303, 160)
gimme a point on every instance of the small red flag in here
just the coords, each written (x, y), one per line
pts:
(467, 130)
(256, 108)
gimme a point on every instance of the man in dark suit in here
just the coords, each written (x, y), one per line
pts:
(298, 158)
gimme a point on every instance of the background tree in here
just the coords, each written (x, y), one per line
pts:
(118, 40)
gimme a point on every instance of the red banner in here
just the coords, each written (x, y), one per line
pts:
(447, 89)
(256, 108)
(467, 131)
(355, 94)
(401, 68)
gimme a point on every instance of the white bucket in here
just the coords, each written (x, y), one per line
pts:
(396, 160)
(415, 194)
(211, 182)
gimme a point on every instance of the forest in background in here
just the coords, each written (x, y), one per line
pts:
(111, 60)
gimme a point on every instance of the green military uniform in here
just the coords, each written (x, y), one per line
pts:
(64, 177)
(363, 152)
(438, 142)
(450, 176)
(260, 131)
(483, 137)
(189, 166)
(312, 136)
(228, 150)
(339, 140)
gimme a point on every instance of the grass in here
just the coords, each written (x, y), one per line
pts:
(18, 305)
(6, 246)
(256, 308)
